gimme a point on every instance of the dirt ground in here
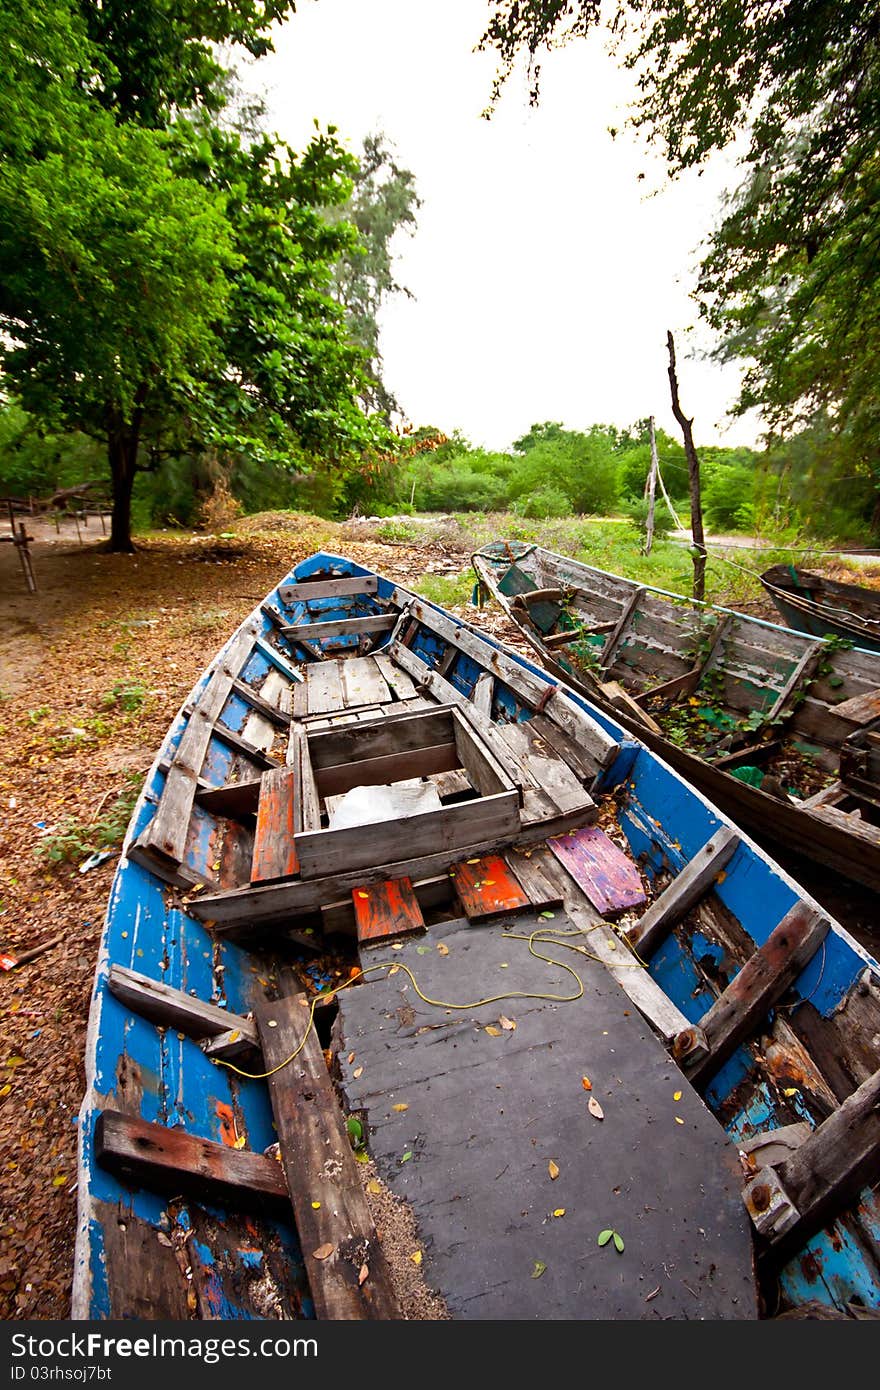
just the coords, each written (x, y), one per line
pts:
(146, 623)
(92, 669)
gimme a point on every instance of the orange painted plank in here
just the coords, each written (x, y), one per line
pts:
(274, 851)
(383, 910)
(487, 886)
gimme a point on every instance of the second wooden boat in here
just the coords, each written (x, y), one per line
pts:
(779, 729)
(389, 893)
(825, 607)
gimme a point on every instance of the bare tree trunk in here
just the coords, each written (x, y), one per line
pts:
(651, 491)
(123, 438)
(693, 463)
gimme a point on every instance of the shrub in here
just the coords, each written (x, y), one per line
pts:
(544, 502)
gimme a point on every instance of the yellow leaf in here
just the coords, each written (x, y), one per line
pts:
(586, 1083)
(316, 1206)
(323, 1251)
(508, 1024)
(240, 1142)
(404, 1105)
(473, 861)
(553, 1169)
(676, 1095)
(443, 949)
(374, 1187)
(4, 1090)
(416, 1257)
(235, 1035)
(397, 945)
(789, 1091)
(493, 1032)
(488, 883)
(358, 1071)
(395, 970)
(719, 878)
(560, 1211)
(60, 1180)
(679, 1120)
(351, 1057)
(362, 895)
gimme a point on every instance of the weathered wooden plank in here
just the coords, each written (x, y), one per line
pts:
(529, 866)
(274, 844)
(328, 588)
(483, 693)
(307, 806)
(684, 890)
(156, 1156)
(167, 831)
(826, 1171)
(801, 674)
(341, 627)
(615, 637)
(384, 911)
(702, 1048)
(452, 827)
(235, 799)
(324, 687)
(395, 678)
(546, 769)
(273, 713)
(486, 773)
(172, 1008)
(257, 755)
(333, 1220)
(362, 682)
(486, 887)
(861, 709)
(621, 699)
(359, 742)
(393, 767)
(610, 880)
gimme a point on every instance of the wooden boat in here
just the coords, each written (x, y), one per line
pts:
(389, 893)
(825, 607)
(779, 729)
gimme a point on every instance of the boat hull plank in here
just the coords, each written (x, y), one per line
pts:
(487, 1115)
(486, 887)
(274, 854)
(610, 880)
(386, 911)
(329, 1203)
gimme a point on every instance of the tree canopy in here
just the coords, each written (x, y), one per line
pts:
(790, 278)
(165, 282)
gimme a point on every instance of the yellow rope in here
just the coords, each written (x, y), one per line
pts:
(544, 935)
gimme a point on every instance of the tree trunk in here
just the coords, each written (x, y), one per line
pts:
(123, 437)
(651, 492)
(693, 463)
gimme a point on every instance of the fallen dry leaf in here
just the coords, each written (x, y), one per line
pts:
(358, 1071)
(416, 1257)
(595, 1108)
(404, 1105)
(374, 1187)
(676, 1095)
(586, 1083)
(508, 1024)
(560, 1211)
(363, 1274)
(443, 949)
(493, 1032)
(323, 1251)
(553, 1169)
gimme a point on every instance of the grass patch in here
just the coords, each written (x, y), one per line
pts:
(72, 841)
(449, 591)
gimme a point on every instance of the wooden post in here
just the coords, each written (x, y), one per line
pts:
(650, 491)
(693, 464)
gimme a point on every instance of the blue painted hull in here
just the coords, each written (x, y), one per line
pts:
(246, 1267)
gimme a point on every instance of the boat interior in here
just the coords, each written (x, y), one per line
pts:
(387, 879)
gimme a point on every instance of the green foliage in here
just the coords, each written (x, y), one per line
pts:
(165, 284)
(583, 467)
(545, 502)
(73, 841)
(126, 695)
(663, 519)
(729, 499)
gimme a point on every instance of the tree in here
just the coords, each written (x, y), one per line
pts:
(164, 283)
(790, 280)
(384, 202)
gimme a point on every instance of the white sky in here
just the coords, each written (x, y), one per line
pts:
(545, 274)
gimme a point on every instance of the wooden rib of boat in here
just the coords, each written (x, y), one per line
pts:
(825, 607)
(779, 729)
(391, 890)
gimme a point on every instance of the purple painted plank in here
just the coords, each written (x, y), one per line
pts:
(609, 879)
